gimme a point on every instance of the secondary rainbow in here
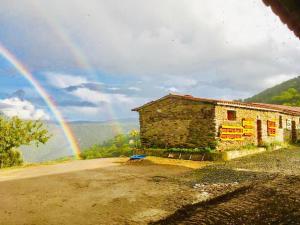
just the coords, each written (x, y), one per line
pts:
(43, 93)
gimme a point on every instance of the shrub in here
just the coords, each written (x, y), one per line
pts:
(98, 151)
(10, 158)
(120, 145)
(190, 150)
(270, 145)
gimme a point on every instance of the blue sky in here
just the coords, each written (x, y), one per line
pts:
(98, 59)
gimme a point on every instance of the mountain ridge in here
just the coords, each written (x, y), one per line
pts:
(285, 93)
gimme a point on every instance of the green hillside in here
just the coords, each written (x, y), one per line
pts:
(286, 93)
(87, 134)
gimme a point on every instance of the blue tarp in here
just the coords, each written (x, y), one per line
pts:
(135, 157)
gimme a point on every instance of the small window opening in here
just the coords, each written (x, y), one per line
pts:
(231, 115)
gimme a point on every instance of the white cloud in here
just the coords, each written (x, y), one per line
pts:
(206, 48)
(180, 38)
(172, 89)
(134, 88)
(61, 80)
(98, 97)
(23, 109)
(91, 96)
(82, 111)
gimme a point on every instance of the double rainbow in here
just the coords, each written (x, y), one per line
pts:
(43, 93)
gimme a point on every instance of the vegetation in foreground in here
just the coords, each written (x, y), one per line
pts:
(120, 145)
(124, 145)
(14, 133)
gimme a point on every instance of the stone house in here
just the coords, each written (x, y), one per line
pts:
(185, 121)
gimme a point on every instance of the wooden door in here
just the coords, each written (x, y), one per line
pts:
(294, 132)
(259, 132)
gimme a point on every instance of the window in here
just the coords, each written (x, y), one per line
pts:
(280, 121)
(231, 115)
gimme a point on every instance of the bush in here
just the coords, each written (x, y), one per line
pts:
(98, 151)
(120, 145)
(189, 150)
(10, 158)
(271, 145)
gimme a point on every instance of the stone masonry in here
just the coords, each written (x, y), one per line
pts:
(188, 122)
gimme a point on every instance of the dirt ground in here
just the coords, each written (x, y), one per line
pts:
(275, 201)
(267, 191)
(260, 189)
(103, 191)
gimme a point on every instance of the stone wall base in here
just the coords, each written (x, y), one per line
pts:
(175, 155)
(215, 156)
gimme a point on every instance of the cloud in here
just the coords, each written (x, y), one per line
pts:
(88, 100)
(134, 88)
(60, 80)
(97, 97)
(85, 112)
(22, 108)
(91, 96)
(184, 38)
(222, 49)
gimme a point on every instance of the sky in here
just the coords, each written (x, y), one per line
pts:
(99, 59)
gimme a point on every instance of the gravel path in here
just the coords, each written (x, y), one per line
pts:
(268, 192)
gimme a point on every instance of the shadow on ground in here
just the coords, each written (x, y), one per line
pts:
(267, 192)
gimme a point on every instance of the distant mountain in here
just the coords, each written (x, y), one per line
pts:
(286, 93)
(87, 133)
(20, 94)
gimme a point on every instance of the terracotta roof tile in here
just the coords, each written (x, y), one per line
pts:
(258, 106)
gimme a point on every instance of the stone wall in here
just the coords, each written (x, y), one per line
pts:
(175, 122)
(282, 134)
(183, 123)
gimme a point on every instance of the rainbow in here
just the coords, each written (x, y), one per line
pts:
(79, 56)
(43, 93)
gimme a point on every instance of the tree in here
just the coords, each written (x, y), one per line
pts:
(289, 97)
(14, 133)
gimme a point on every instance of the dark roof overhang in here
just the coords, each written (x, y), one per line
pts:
(288, 11)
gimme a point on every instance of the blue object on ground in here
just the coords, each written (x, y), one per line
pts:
(135, 157)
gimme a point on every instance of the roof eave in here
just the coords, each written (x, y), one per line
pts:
(247, 107)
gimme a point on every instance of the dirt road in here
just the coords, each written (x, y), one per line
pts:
(260, 189)
(104, 191)
(66, 167)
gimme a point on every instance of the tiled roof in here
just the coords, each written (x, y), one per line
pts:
(285, 108)
(288, 11)
(258, 106)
